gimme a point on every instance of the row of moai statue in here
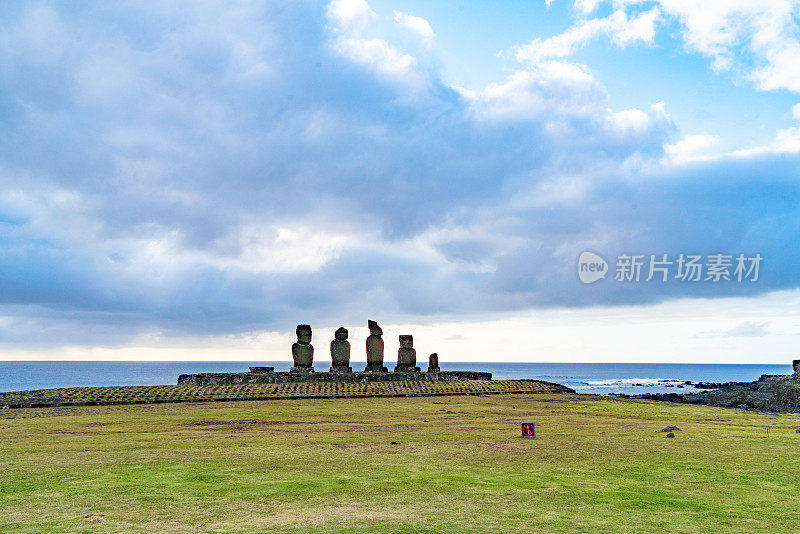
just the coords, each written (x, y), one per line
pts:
(303, 352)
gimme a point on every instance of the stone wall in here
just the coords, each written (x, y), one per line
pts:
(213, 379)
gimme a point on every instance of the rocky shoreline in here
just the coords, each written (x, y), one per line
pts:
(770, 393)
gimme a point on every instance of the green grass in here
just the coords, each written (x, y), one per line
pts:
(459, 465)
(259, 391)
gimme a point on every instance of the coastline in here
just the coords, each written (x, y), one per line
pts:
(770, 393)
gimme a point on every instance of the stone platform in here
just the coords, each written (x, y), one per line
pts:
(214, 379)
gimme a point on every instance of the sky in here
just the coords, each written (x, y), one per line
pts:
(183, 182)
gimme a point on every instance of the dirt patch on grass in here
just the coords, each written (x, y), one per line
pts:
(251, 422)
(240, 422)
(94, 518)
(347, 515)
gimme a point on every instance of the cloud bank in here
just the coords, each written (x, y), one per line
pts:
(227, 169)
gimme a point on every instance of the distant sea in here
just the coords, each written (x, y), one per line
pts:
(598, 378)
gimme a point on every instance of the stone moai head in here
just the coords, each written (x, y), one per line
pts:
(341, 333)
(406, 342)
(374, 329)
(303, 333)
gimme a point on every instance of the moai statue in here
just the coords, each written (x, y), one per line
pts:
(302, 351)
(406, 355)
(433, 363)
(340, 352)
(375, 348)
(796, 365)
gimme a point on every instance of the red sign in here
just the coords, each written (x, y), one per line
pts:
(528, 430)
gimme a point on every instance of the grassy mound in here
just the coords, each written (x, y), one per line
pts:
(293, 390)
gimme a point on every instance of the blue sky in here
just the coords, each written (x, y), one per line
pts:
(192, 183)
(471, 35)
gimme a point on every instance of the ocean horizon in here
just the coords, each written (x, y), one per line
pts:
(595, 378)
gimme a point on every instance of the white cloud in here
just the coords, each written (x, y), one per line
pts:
(700, 147)
(796, 111)
(416, 24)
(787, 140)
(760, 39)
(622, 30)
(746, 330)
(692, 148)
(585, 7)
(743, 329)
(384, 59)
(767, 30)
(253, 247)
(352, 21)
(569, 100)
(641, 28)
(550, 88)
(634, 121)
(351, 16)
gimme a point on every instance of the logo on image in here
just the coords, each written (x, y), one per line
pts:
(591, 267)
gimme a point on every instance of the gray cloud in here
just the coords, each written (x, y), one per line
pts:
(222, 169)
(744, 329)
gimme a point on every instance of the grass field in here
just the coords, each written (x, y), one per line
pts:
(419, 464)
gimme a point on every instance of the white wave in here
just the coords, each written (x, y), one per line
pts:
(613, 382)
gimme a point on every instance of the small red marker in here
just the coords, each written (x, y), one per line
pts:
(528, 430)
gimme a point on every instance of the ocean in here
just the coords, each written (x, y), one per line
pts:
(597, 378)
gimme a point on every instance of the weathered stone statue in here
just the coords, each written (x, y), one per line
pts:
(406, 355)
(302, 351)
(433, 363)
(375, 348)
(796, 365)
(340, 352)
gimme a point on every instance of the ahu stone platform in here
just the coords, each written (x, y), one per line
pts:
(261, 375)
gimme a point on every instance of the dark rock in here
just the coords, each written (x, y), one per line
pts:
(671, 435)
(394, 443)
(670, 428)
(708, 385)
